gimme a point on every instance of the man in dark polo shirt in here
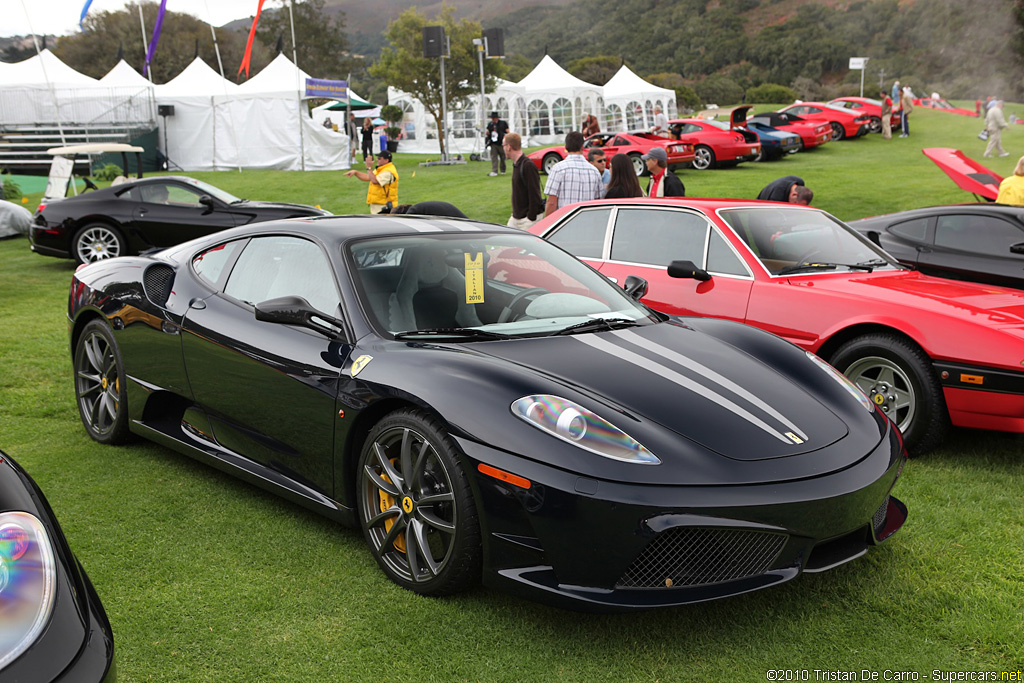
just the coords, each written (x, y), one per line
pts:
(527, 202)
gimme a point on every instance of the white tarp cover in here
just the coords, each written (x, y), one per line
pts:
(14, 219)
(630, 100)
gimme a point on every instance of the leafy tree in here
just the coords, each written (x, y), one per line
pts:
(719, 90)
(322, 44)
(770, 93)
(94, 51)
(597, 70)
(403, 65)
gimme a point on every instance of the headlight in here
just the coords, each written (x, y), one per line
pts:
(27, 583)
(575, 424)
(841, 378)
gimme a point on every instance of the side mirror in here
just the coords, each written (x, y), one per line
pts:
(294, 310)
(875, 237)
(687, 270)
(635, 286)
(1017, 248)
(207, 201)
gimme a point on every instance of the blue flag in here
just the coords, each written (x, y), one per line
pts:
(85, 10)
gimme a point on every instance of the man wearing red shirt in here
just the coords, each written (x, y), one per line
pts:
(663, 183)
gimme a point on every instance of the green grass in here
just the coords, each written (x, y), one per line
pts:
(208, 579)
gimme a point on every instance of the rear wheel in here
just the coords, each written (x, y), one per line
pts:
(99, 384)
(898, 378)
(416, 507)
(875, 124)
(838, 132)
(549, 162)
(96, 242)
(639, 165)
(704, 158)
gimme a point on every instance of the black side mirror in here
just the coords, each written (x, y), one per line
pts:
(635, 286)
(207, 201)
(294, 310)
(875, 237)
(687, 270)
(1017, 248)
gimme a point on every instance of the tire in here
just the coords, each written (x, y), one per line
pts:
(875, 125)
(704, 159)
(898, 377)
(97, 242)
(838, 132)
(100, 390)
(639, 165)
(549, 162)
(433, 516)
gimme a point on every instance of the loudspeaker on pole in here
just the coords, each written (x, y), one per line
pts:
(495, 38)
(433, 41)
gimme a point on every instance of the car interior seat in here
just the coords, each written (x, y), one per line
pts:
(430, 294)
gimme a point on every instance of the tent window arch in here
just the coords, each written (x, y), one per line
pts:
(614, 120)
(539, 118)
(464, 121)
(649, 112)
(561, 115)
(408, 120)
(634, 116)
(578, 115)
(502, 108)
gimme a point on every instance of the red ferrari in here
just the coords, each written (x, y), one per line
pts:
(812, 133)
(845, 123)
(866, 105)
(928, 352)
(717, 143)
(633, 144)
(943, 105)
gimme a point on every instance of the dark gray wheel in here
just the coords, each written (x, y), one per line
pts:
(416, 506)
(704, 158)
(898, 378)
(96, 242)
(875, 124)
(99, 384)
(838, 132)
(549, 162)
(639, 165)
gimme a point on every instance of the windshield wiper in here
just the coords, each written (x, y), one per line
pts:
(461, 332)
(828, 265)
(598, 324)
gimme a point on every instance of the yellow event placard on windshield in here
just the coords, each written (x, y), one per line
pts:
(474, 278)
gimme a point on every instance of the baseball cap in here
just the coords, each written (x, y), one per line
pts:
(384, 154)
(656, 153)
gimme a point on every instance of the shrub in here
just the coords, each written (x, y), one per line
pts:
(770, 93)
(392, 114)
(107, 172)
(12, 191)
(687, 100)
(719, 90)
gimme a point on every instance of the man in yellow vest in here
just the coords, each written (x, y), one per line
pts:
(383, 181)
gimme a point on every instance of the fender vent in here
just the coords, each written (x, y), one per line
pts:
(696, 557)
(157, 281)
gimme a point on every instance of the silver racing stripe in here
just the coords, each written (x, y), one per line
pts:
(458, 225)
(682, 380)
(633, 338)
(418, 226)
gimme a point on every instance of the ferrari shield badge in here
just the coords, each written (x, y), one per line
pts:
(359, 363)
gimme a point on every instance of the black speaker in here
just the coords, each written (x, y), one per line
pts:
(165, 109)
(433, 41)
(495, 38)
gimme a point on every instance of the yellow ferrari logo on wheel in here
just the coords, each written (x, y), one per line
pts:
(407, 505)
(879, 399)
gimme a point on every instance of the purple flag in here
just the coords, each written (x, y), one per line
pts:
(156, 36)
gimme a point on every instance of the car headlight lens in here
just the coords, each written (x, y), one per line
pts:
(27, 583)
(842, 379)
(574, 424)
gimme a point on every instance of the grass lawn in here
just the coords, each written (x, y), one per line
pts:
(208, 579)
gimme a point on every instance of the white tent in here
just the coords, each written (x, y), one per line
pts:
(123, 75)
(42, 68)
(630, 102)
(556, 102)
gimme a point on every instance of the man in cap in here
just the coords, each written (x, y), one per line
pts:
(382, 176)
(663, 183)
(494, 137)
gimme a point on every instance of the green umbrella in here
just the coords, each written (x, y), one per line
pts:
(355, 103)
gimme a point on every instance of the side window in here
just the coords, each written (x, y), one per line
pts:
(915, 230)
(619, 140)
(275, 266)
(691, 128)
(174, 195)
(210, 264)
(722, 259)
(977, 234)
(583, 234)
(657, 237)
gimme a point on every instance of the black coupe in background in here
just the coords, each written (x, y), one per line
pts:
(976, 242)
(137, 215)
(484, 405)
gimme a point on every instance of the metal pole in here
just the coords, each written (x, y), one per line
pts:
(49, 86)
(145, 43)
(863, 69)
(481, 44)
(298, 90)
(444, 113)
(216, 48)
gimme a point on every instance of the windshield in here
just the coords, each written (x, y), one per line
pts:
(478, 286)
(207, 188)
(788, 240)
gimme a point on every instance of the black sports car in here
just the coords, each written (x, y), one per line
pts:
(137, 215)
(976, 242)
(52, 625)
(484, 404)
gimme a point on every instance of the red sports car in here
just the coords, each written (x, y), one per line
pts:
(873, 108)
(812, 133)
(717, 143)
(927, 351)
(633, 144)
(943, 105)
(845, 123)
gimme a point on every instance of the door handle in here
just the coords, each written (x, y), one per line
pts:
(197, 304)
(143, 212)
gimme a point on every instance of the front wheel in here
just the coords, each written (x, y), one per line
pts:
(416, 507)
(898, 378)
(99, 385)
(704, 158)
(549, 162)
(639, 165)
(96, 242)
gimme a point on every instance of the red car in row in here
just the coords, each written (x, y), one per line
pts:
(873, 108)
(926, 351)
(943, 105)
(633, 144)
(812, 133)
(716, 143)
(845, 123)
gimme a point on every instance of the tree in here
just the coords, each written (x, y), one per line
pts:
(94, 51)
(322, 46)
(597, 70)
(403, 65)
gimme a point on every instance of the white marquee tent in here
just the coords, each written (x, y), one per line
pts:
(630, 102)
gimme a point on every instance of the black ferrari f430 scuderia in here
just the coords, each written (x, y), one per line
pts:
(486, 406)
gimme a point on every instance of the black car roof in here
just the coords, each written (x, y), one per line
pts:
(988, 208)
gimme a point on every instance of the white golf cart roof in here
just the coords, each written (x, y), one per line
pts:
(63, 164)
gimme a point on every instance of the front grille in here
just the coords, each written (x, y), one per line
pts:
(696, 557)
(878, 521)
(157, 281)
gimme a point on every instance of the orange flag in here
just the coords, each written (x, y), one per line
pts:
(248, 46)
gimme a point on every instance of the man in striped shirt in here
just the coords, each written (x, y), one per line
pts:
(574, 179)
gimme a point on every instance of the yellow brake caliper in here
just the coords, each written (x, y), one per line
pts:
(387, 502)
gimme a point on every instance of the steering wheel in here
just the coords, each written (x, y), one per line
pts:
(806, 256)
(507, 312)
